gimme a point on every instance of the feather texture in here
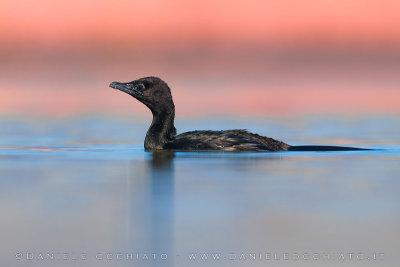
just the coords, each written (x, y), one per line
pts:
(229, 140)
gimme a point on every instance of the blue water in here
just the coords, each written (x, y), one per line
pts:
(82, 192)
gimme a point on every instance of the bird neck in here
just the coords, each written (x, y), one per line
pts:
(161, 130)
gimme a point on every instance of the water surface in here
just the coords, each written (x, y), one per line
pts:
(82, 191)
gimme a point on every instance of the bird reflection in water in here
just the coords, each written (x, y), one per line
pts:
(152, 220)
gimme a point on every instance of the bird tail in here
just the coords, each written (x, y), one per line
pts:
(324, 148)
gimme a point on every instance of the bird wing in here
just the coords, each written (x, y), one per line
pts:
(272, 144)
(230, 140)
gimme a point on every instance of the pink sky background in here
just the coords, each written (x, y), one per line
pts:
(220, 57)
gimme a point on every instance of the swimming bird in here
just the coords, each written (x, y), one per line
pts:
(156, 95)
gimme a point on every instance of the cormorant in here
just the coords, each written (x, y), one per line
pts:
(156, 95)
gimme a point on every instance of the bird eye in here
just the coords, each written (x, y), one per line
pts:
(140, 86)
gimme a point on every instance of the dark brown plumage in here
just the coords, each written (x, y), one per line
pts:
(156, 95)
(229, 140)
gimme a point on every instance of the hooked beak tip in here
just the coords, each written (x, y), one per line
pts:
(113, 85)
